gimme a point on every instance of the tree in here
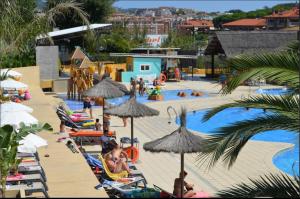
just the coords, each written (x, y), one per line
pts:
(282, 68)
(9, 142)
(20, 26)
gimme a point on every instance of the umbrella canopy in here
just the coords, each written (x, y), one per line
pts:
(14, 107)
(180, 141)
(104, 89)
(10, 73)
(132, 108)
(12, 84)
(15, 118)
(30, 143)
(122, 87)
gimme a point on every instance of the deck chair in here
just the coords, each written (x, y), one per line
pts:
(24, 179)
(32, 170)
(29, 188)
(168, 194)
(113, 176)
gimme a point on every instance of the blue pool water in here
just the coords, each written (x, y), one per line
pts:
(283, 160)
(274, 91)
(167, 94)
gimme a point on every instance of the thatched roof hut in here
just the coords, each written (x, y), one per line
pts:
(233, 43)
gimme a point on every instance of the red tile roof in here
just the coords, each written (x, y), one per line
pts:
(246, 22)
(293, 13)
(199, 23)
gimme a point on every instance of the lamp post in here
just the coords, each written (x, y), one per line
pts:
(168, 110)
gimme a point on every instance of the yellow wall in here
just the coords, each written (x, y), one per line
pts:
(113, 68)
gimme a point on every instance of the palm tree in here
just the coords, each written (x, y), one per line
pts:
(281, 68)
(9, 142)
(18, 35)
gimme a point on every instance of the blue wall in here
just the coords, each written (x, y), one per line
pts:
(154, 63)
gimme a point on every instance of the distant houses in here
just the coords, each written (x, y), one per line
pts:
(246, 24)
(283, 19)
(276, 21)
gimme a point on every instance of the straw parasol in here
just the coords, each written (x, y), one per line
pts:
(104, 89)
(180, 141)
(132, 109)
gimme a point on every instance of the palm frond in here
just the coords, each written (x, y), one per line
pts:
(66, 8)
(229, 140)
(286, 105)
(271, 185)
(280, 67)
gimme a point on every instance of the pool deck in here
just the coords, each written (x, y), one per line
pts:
(69, 175)
(161, 169)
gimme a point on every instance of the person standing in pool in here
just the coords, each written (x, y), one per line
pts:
(141, 87)
(87, 104)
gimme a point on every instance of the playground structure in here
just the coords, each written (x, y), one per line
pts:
(81, 74)
(82, 71)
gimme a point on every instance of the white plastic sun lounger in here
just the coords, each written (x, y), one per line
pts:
(29, 188)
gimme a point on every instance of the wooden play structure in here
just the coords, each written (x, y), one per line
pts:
(82, 71)
(81, 74)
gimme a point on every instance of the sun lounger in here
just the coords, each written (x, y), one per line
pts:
(32, 170)
(89, 137)
(30, 155)
(29, 188)
(125, 188)
(123, 174)
(27, 178)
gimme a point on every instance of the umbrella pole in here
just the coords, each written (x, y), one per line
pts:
(103, 112)
(131, 154)
(182, 173)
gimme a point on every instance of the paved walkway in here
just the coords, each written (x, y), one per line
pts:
(67, 173)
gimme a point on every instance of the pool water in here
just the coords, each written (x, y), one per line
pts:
(283, 160)
(274, 91)
(167, 94)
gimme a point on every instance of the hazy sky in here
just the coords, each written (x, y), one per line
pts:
(202, 5)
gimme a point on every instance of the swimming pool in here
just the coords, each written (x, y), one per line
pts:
(273, 91)
(283, 160)
(167, 94)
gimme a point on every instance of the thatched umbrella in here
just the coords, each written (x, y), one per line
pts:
(180, 141)
(132, 109)
(104, 89)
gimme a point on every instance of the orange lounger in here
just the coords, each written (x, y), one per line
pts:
(91, 134)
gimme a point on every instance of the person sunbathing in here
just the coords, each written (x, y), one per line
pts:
(116, 164)
(188, 188)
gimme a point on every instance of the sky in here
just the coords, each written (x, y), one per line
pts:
(202, 5)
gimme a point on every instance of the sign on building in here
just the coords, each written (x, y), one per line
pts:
(155, 40)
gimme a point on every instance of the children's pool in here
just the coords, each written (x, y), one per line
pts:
(167, 95)
(274, 91)
(284, 160)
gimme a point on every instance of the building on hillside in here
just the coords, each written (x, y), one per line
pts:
(231, 43)
(283, 19)
(195, 25)
(246, 24)
(152, 25)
